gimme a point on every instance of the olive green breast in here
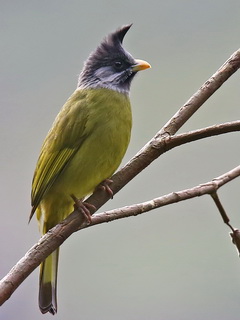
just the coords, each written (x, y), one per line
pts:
(85, 145)
(108, 131)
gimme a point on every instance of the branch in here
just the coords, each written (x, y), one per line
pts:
(206, 188)
(235, 234)
(56, 236)
(202, 95)
(153, 149)
(171, 142)
(61, 232)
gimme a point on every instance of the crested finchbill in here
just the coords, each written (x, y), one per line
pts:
(85, 145)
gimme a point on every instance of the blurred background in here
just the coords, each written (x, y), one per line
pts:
(173, 263)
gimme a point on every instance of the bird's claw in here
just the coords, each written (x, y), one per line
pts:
(104, 185)
(84, 208)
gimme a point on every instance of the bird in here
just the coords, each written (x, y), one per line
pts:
(85, 145)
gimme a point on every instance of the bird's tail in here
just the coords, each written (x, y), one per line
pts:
(47, 298)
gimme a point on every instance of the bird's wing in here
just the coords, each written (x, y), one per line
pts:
(62, 142)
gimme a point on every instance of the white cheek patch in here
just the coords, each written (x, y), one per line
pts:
(106, 75)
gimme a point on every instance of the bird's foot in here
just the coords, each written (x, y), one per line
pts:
(84, 208)
(104, 185)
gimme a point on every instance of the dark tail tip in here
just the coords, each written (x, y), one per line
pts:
(47, 298)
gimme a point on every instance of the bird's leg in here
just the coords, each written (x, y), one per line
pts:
(83, 207)
(104, 185)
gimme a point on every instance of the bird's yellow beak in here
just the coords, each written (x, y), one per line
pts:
(140, 65)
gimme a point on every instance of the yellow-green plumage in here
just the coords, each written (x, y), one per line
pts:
(84, 147)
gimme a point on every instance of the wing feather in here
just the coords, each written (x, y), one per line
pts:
(62, 142)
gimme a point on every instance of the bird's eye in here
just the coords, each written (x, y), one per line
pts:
(118, 64)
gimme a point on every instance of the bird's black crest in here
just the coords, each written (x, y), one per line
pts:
(109, 50)
(118, 35)
(112, 43)
(111, 46)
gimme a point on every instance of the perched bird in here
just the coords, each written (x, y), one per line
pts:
(85, 145)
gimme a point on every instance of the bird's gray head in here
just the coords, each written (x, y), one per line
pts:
(110, 65)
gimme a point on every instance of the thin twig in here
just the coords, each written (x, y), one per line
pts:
(202, 95)
(222, 211)
(235, 234)
(206, 188)
(215, 130)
